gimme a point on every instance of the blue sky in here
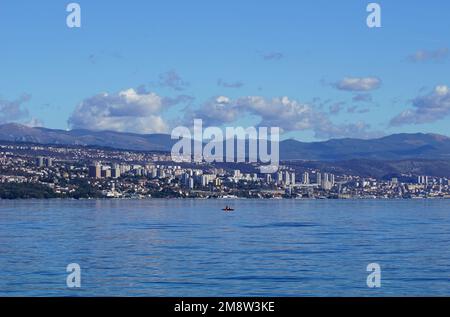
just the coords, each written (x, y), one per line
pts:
(312, 67)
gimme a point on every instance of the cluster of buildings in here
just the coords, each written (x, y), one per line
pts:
(98, 171)
(44, 161)
(92, 173)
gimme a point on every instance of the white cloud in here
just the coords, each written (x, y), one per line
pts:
(442, 90)
(282, 112)
(358, 84)
(127, 111)
(426, 109)
(214, 112)
(223, 100)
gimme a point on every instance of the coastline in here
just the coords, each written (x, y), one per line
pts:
(230, 199)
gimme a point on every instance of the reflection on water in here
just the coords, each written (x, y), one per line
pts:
(192, 247)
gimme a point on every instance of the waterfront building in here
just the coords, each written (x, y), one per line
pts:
(106, 172)
(95, 171)
(319, 179)
(293, 178)
(280, 177)
(287, 178)
(115, 171)
(305, 179)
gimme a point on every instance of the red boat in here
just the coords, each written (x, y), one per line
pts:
(228, 209)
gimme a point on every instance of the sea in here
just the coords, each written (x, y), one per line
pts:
(177, 248)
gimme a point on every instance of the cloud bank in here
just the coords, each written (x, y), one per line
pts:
(129, 110)
(289, 115)
(426, 109)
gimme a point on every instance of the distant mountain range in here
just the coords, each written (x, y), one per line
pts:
(393, 147)
(124, 141)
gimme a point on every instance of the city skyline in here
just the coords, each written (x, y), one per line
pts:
(147, 67)
(38, 171)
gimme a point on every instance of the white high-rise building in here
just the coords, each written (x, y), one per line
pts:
(305, 179)
(95, 170)
(328, 181)
(287, 178)
(207, 178)
(293, 178)
(115, 171)
(204, 179)
(423, 180)
(280, 177)
(319, 179)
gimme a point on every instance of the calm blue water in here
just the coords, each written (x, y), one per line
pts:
(192, 248)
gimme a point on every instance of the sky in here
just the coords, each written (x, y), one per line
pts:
(313, 68)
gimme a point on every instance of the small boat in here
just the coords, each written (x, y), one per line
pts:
(228, 209)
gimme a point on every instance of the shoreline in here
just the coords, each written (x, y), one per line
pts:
(231, 199)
